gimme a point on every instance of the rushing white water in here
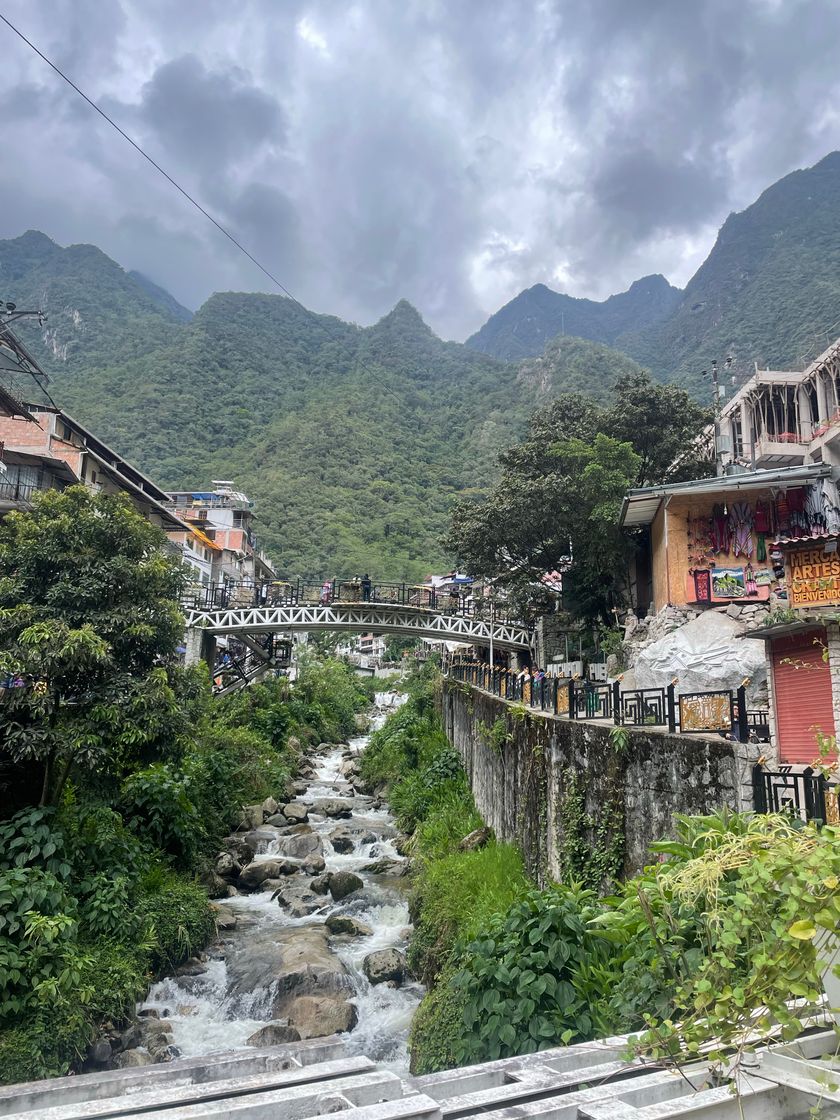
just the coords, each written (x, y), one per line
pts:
(205, 1020)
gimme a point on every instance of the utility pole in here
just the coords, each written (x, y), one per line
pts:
(717, 410)
(492, 621)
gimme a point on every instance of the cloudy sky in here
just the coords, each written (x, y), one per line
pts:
(451, 152)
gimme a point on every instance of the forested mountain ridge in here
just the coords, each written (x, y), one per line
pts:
(522, 327)
(352, 441)
(769, 291)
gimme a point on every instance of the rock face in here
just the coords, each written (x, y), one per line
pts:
(288, 964)
(343, 883)
(316, 1016)
(384, 965)
(708, 652)
(273, 1034)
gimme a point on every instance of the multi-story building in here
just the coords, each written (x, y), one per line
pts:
(221, 521)
(47, 448)
(785, 418)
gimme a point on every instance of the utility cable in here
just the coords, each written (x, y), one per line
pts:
(194, 202)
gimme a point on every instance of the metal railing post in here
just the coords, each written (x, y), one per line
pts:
(570, 688)
(743, 722)
(672, 708)
(616, 702)
(759, 792)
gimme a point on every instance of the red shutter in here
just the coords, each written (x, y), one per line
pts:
(802, 691)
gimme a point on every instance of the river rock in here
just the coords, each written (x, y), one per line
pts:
(313, 865)
(332, 807)
(269, 806)
(131, 1037)
(385, 964)
(214, 884)
(478, 838)
(274, 1034)
(343, 923)
(296, 811)
(342, 841)
(300, 786)
(321, 883)
(255, 874)
(225, 920)
(317, 1016)
(277, 820)
(385, 867)
(239, 848)
(251, 816)
(287, 963)
(99, 1052)
(343, 883)
(227, 867)
(131, 1059)
(300, 846)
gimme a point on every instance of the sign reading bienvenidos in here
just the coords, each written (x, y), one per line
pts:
(813, 577)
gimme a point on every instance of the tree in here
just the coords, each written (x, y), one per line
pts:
(664, 425)
(560, 517)
(89, 623)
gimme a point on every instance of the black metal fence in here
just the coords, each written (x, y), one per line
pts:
(719, 711)
(806, 794)
(282, 593)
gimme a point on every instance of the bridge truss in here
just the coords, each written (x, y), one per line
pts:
(369, 618)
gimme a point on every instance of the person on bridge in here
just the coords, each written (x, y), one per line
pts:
(366, 586)
(326, 593)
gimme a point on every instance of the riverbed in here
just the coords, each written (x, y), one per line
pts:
(207, 1011)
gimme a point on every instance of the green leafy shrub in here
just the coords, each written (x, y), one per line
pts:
(158, 804)
(535, 977)
(176, 915)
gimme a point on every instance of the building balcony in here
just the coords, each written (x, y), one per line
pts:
(781, 449)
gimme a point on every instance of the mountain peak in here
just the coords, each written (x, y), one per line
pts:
(404, 316)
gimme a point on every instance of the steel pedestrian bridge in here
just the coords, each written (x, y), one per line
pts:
(244, 610)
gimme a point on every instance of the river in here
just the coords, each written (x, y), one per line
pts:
(200, 1009)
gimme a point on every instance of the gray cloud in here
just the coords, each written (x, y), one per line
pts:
(451, 154)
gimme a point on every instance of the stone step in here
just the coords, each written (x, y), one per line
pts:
(168, 1096)
(33, 1096)
(253, 1099)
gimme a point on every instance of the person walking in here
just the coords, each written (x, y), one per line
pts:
(366, 586)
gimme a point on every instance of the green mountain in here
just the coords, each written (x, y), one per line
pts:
(769, 291)
(161, 297)
(522, 327)
(352, 441)
(573, 365)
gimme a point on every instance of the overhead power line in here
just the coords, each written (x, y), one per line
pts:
(137, 147)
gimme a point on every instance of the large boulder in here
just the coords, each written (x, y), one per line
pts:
(227, 866)
(269, 806)
(255, 874)
(296, 811)
(313, 865)
(384, 965)
(478, 838)
(281, 965)
(321, 883)
(317, 1016)
(300, 846)
(343, 923)
(342, 841)
(705, 654)
(343, 883)
(332, 807)
(274, 1034)
(251, 816)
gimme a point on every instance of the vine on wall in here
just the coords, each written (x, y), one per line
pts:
(592, 845)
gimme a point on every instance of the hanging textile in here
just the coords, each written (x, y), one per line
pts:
(720, 529)
(782, 514)
(814, 511)
(702, 587)
(750, 586)
(761, 518)
(741, 522)
(761, 548)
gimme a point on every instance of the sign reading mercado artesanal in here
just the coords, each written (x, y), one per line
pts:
(813, 577)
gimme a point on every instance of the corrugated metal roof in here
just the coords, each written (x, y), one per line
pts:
(640, 506)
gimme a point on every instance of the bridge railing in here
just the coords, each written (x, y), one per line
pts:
(722, 711)
(283, 593)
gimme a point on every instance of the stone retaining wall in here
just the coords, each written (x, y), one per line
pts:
(531, 773)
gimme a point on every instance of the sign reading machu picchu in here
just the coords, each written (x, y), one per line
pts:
(813, 576)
